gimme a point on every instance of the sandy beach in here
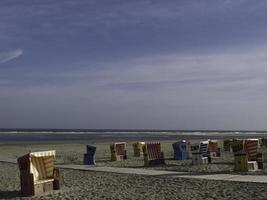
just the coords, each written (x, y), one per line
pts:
(103, 185)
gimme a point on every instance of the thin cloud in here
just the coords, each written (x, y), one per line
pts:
(7, 56)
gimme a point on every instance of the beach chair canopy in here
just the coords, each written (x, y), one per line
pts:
(213, 145)
(180, 145)
(203, 147)
(138, 148)
(91, 150)
(40, 164)
(237, 145)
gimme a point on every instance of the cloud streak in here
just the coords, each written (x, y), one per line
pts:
(7, 56)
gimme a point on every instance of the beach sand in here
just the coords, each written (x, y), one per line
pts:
(102, 185)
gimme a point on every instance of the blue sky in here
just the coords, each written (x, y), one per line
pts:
(133, 64)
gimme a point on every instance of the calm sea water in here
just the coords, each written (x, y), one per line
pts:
(28, 136)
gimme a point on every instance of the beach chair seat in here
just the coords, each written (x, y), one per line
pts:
(138, 148)
(37, 172)
(153, 154)
(89, 157)
(118, 151)
(180, 150)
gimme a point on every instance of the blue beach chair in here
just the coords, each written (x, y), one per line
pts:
(89, 157)
(179, 149)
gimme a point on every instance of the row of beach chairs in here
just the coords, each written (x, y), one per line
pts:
(38, 174)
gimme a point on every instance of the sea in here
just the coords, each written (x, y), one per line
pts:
(10, 136)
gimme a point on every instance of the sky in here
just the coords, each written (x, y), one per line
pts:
(143, 64)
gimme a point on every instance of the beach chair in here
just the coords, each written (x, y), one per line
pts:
(118, 151)
(264, 142)
(198, 159)
(138, 148)
(180, 150)
(89, 157)
(237, 146)
(204, 148)
(213, 149)
(264, 158)
(251, 147)
(37, 173)
(153, 154)
(227, 145)
(241, 162)
(247, 156)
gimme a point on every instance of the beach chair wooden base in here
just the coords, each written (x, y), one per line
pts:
(241, 162)
(252, 166)
(198, 159)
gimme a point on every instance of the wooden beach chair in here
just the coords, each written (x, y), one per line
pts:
(241, 162)
(37, 173)
(89, 157)
(237, 146)
(153, 154)
(213, 150)
(248, 157)
(227, 145)
(118, 151)
(180, 150)
(138, 148)
(251, 147)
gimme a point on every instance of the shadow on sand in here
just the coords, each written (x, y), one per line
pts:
(9, 194)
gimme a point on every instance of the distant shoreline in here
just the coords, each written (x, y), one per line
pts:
(40, 137)
(124, 130)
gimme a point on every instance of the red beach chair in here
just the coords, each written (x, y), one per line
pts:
(153, 154)
(118, 151)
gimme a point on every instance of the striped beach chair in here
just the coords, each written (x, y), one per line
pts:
(247, 155)
(37, 173)
(251, 147)
(200, 153)
(153, 154)
(204, 148)
(118, 151)
(89, 157)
